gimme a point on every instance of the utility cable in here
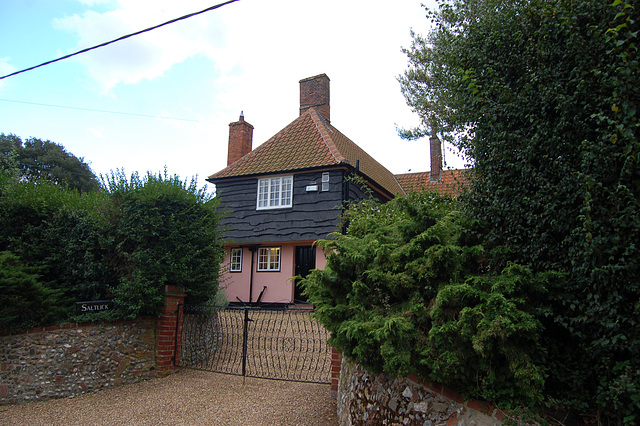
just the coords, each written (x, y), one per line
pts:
(105, 111)
(120, 38)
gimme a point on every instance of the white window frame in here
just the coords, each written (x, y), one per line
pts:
(325, 181)
(238, 261)
(269, 259)
(275, 193)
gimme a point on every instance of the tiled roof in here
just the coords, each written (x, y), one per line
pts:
(308, 142)
(451, 182)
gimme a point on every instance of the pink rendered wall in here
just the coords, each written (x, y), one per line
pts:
(279, 284)
(236, 284)
(321, 260)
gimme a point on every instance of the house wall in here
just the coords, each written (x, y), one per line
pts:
(357, 191)
(314, 214)
(279, 284)
(321, 259)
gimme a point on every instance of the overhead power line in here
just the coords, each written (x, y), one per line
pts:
(103, 110)
(120, 38)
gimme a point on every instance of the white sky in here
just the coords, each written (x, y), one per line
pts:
(246, 56)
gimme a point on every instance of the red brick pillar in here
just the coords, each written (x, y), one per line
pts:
(168, 326)
(336, 364)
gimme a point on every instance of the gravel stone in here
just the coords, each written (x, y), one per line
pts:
(188, 397)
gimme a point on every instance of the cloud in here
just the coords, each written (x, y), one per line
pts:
(255, 52)
(93, 2)
(146, 56)
(96, 132)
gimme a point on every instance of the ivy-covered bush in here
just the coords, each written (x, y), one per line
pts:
(406, 290)
(543, 98)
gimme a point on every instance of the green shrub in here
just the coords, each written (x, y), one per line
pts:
(165, 233)
(125, 242)
(25, 301)
(405, 290)
(486, 332)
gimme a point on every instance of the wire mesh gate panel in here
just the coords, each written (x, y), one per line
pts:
(284, 344)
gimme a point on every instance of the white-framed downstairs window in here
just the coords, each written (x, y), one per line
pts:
(275, 192)
(269, 259)
(235, 261)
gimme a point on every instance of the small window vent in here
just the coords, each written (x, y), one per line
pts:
(325, 181)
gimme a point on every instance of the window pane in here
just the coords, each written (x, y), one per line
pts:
(274, 199)
(262, 259)
(263, 192)
(275, 259)
(286, 190)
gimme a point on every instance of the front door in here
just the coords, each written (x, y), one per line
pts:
(305, 262)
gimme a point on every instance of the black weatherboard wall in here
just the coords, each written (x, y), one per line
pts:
(314, 214)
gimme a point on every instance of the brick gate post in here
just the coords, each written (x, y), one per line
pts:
(336, 365)
(168, 326)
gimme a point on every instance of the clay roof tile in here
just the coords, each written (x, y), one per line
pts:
(308, 141)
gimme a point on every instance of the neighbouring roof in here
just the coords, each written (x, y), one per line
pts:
(450, 183)
(309, 142)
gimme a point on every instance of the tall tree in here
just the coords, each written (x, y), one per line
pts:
(543, 97)
(9, 148)
(38, 159)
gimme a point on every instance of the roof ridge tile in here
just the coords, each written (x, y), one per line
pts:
(323, 128)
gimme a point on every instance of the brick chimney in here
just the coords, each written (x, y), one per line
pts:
(314, 92)
(435, 150)
(240, 140)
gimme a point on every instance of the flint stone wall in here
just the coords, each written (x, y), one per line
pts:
(66, 362)
(368, 399)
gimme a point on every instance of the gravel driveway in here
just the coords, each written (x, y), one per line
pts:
(189, 397)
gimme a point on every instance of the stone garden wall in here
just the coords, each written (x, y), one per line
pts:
(63, 362)
(365, 398)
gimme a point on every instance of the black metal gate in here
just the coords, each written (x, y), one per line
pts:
(284, 344)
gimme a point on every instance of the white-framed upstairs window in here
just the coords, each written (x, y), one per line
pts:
(269, 259)
(235, 261)
(275, 192)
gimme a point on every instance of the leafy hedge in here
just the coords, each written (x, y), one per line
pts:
(124, 242)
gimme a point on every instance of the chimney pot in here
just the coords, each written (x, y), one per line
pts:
(240, 140)
(314, 92)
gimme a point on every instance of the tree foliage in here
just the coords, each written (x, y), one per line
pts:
(24, 300)
(126, 242)
(166, 233)
(543, 97)
(35, 159)
(405, 291)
